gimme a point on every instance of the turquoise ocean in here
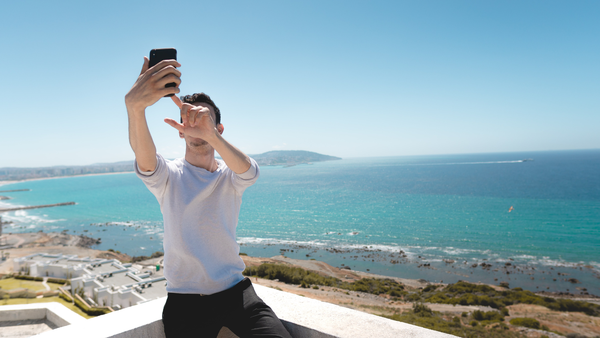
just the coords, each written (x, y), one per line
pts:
(430, 217)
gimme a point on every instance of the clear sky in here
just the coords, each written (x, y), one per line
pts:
(343, 78)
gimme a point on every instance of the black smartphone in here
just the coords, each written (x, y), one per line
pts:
(159, 54)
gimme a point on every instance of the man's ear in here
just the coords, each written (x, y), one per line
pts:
(220, 128)
(181, 135)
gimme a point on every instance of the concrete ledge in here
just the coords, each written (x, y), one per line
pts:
(144, 320)
(302, 317)
(56, 313)
(305, 317)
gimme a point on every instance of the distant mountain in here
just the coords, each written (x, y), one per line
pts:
(277, 157)
(291, 157)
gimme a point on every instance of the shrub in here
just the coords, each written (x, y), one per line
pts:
(414, 297)
(470, 294)
(293, 275)
(491, 316)
(422, 310)
(430, 288)
(92, 311)
(57, 280)
(526, 322)
(454, 327)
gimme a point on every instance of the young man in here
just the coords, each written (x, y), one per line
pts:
(200, 199)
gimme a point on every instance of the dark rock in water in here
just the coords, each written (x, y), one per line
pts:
(574, 281)
(87, 242)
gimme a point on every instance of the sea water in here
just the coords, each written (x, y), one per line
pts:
(537, 209)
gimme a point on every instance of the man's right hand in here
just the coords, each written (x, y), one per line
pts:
(150, 85)
(149, 88)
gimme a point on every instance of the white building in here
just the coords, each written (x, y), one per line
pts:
(56, 266)
(101, 282)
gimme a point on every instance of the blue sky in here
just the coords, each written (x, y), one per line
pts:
(343, 78)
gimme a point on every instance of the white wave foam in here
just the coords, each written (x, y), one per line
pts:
(459, 252)
(467, 163)
(21, 217)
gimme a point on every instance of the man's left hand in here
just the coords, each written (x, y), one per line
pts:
(197, 121)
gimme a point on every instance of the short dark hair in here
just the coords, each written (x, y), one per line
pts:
(203, 98)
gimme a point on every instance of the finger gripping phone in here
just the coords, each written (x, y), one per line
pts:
(159, 54)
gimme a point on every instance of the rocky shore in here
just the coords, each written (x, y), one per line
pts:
(577, 280)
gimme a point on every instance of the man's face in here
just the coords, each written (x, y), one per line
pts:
(194, 142)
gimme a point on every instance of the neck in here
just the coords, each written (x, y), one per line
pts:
(204, 158)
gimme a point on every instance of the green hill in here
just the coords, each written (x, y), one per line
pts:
(290, 157)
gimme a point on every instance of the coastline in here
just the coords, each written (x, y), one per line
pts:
(66, 176)
(382, 304)
(572, 278)
(39, 242)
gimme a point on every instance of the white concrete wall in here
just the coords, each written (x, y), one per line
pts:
(54, 312)
(87, 283)
(303, 318)
(53, 270)
(122, 297)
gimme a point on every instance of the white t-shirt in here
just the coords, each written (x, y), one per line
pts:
(200, 212)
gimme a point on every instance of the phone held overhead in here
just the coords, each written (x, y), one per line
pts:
(160, 54)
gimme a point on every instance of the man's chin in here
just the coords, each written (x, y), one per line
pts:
(198, 142)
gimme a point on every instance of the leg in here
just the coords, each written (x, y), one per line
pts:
(186, 316)
(251, 317)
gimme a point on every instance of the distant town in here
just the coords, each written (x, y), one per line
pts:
(276, 158)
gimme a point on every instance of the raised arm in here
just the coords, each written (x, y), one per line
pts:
(198, 122)
(146, 91)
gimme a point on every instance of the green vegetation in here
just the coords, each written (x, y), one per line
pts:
(423, 316)
(305, 278)
(488, 324)
(490, 316)
(18, 283)
(526, 322)
(89, 311)
(464, 293)
(41, 279)
(143, 258)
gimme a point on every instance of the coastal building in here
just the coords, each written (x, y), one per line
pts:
(120, 288)
(101, 282)
(57, 265)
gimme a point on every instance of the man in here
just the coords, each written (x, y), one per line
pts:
(200, 199)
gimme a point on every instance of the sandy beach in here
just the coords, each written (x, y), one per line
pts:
(39, 242)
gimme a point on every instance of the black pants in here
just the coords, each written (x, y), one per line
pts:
(238, 308)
